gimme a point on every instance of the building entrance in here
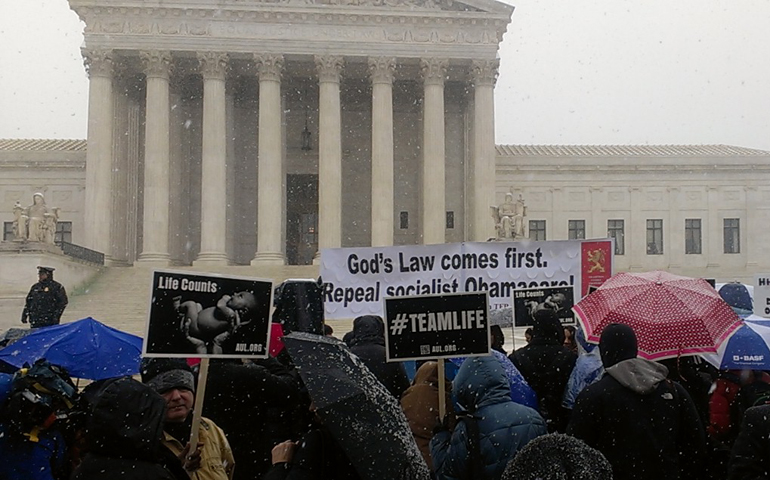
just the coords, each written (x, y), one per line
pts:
(301, 219)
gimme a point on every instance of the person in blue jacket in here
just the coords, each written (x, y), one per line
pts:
(492, 429)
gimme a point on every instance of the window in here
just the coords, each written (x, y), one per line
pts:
(8, 231)
(450, 219)
(404, 220)
(63, 232)
(616, 230)
(732, 235)
(692, 236)
(537, 230)
(655, 237)
(577, 229)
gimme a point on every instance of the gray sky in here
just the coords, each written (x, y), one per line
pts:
(588, 72)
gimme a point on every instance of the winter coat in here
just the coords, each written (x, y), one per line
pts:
(217, 461)
(521, 392)
(420, 405)
(26, 460)
(750, 459)
(368, 344)
(318, 457)
(721, 426)
(588, 369)
(45, 303)
(482, 388)
(646, 426)
(237, 399)
(124, 435)
(546, 365)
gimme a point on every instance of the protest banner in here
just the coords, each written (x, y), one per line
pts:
(207, 315)
(436, 326)
(762, 294)
(356, 280)
(527, 301)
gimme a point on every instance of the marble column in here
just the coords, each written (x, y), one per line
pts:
(483, 75)
(157, 68)
(270, 163)
(98, 203)
(433, 221)
(381, 71)
(214, 165)
(329, 68)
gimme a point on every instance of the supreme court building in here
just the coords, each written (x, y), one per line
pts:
(259, 131)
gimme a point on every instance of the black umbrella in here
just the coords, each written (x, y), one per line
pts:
(359, 411)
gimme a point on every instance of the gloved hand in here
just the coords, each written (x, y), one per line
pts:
(24, 318)
(441, 425)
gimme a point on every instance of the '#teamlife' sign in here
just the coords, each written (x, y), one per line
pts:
(437, 326)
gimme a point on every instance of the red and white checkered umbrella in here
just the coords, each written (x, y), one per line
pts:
(671, 315)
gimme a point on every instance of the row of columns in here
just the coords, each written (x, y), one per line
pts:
(213, 67)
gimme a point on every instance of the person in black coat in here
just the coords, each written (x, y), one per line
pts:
(45, 301)
(645, 425)
(368, 343)
(124, 436)
(546, 366)
(239, 397)
(750, 457)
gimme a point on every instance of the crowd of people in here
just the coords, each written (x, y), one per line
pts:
(556, 408)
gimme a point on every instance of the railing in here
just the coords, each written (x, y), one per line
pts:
(81, 253)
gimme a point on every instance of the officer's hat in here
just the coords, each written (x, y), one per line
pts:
(48, 270)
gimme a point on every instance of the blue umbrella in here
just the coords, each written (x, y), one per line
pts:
(748, 348)
(86, 348)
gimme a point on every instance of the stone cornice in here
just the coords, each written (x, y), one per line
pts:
(213, 65)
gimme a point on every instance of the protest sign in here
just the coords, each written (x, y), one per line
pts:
(356, 280)
(762, 295)
(436, 326)
(207, 315)
(527, 301)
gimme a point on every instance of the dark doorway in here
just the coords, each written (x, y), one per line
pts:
(301, 219)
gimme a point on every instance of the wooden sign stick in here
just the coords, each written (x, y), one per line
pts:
(441, 390)
(203, 374)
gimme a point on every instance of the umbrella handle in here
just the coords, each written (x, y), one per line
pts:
(441, 390)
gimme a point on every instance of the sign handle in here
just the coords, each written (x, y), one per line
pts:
(203, 374)
(513, 338)
(441, 390)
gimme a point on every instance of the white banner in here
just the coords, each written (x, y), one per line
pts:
(762, 294)
(356, 280)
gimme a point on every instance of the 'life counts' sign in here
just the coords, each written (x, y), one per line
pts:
(762, 294)
(436, 326)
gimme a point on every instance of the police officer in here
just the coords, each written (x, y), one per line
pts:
(46, 300)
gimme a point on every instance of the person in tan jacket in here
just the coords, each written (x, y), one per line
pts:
(420, 405)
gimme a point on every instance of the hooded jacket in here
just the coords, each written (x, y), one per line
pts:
(368, 343)
(420, 405)
(481, 387)
(546, 366)
(646, 427)
(750, 458)
(124, 435)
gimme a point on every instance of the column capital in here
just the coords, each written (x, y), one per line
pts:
(213, 65)
(98, 62)
(329, 67)
(484, 72)
(157, 63)
(269, 66)
(433, 70)
(382, 69)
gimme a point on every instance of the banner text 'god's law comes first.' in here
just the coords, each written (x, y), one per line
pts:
(356, 280)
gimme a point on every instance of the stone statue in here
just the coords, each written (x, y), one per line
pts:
(509, 218)
(35, 223)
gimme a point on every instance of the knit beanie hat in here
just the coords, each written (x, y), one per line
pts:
(617, 343)
(558, 457)
(164, 374)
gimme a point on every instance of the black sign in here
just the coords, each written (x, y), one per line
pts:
(436, 326)
(527, 301)
(205, 315)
